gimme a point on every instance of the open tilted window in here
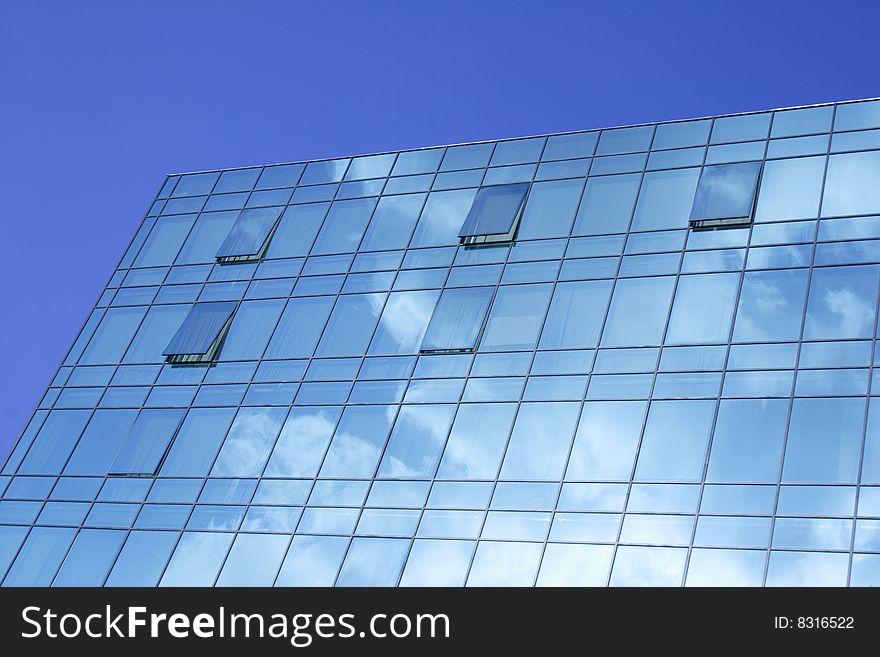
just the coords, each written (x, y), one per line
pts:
(250, 235)
(457, 320)
(146, 442)
(494, 215)
(199, 337)
(725, 196)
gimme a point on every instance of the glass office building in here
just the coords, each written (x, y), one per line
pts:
(633, 356)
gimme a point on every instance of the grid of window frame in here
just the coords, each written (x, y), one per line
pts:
(651, 521)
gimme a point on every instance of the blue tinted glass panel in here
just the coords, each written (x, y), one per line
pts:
(54, 442)
(351, 325)
(516, 317)
(665, 199)
(416, 441)
(851, 184)
(249, 235)
(344, 226)
(403, 322)
(113, 335)
(393, 222)
(457, 319)
(100, 441)
(550, 209)
(90, 558)
(637, 315)
(147, 441)
(842, 303)
(40, 557)
(200, 329)
(494, 210)
(576, 315)
(142, 559)
(703, 308)
(726, 192)
(197, 442)
(607, 204)
(675, 440)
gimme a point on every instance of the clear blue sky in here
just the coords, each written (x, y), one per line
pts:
(98, 100)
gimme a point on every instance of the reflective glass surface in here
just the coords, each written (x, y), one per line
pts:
(608, 396)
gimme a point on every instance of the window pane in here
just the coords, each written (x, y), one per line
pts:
(457, 319)
(648, 566)
(625, 140)
(726, 568)
(665, 199)
(495, 212)
(726, 191)
(540, 440)
(516, 317)
(550, 209)
(11, 539)
(54, 443)
(299, 328)
(302, 442)
(312, 561)
(748, 440)
(416, 442)
(443, 217)
(253, 560)
(157, 329)
(703, 308)
(802, 121)
(40, 557)
(851, 184)
(197, 442)
(90, 558)
(824, 440)
(198, 334)
(412, 162)
(285, 175)
(165, 240)
(681, 135)
(99, 443)
(393, 222)
(351, 325)
(147, 441)
(437, 563)
(142, 559)
(358, 441)
(477, 442)
(249, 442)
(403, 322)
(675, 441)
(251, 329)
(344, 226)
(790, 189)
(249, 235)
(505, 564)
(297, 230)
(112, 336)
(771, 305)
(638, 312)
(370, 166)
(842, 303)
(607, 204)
(373, 562)
(576, 315)
(807, 569)
(197, 559)
(606, 441)
(208, 233)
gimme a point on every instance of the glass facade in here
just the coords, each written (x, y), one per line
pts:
(658, 371)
